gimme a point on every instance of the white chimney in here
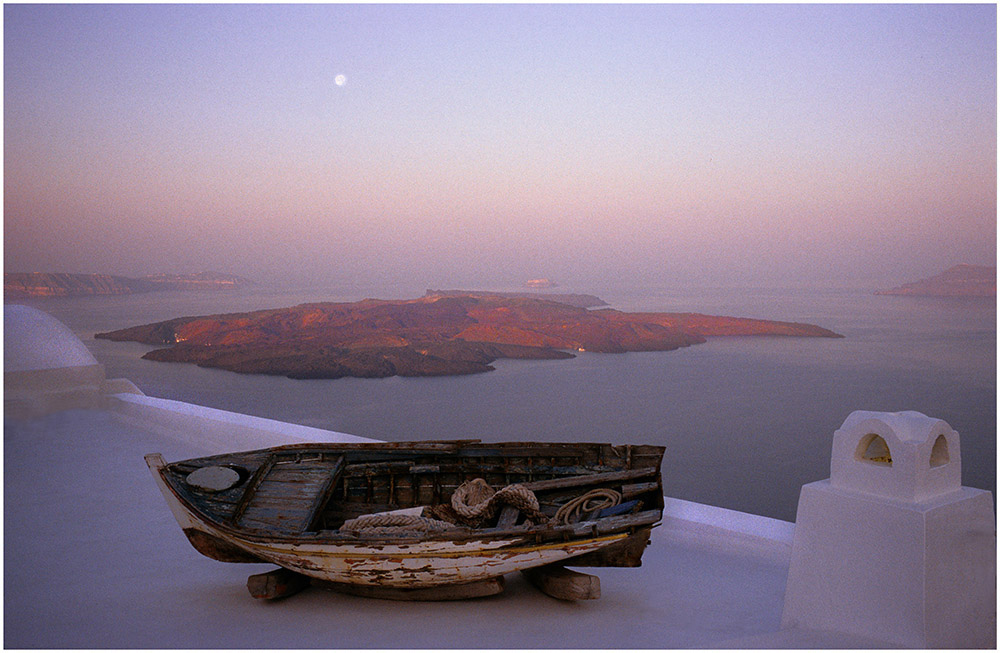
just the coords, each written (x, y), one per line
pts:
(891, 546)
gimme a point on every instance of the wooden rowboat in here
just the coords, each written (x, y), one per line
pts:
(289, 505)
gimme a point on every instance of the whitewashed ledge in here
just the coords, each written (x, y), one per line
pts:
(94, 558)
(217, 430)
(729, 530)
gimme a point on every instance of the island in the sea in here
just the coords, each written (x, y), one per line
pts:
(957, 281)
(429, 336)
(18, 285)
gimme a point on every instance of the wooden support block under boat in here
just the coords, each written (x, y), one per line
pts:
(276, 584)
(474, 590)
(564, 584)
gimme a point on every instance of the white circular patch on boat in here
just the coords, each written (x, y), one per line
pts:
(214, 478)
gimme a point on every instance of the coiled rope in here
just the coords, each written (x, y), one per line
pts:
(596, 499)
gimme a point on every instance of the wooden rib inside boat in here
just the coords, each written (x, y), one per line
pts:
(299, 506)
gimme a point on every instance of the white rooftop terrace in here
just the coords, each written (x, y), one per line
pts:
(94, 559)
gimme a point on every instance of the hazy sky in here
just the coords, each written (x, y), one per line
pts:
(483, 145)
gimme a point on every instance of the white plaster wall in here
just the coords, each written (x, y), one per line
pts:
(31, 393)
(46, 367)
(916, 574)
(961, 556)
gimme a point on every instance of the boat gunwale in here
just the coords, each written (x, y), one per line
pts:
(414, 446)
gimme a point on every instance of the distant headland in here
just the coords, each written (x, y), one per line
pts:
(439, 334)
(17, 285)
(957, 281)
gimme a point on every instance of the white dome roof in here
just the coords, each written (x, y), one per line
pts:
(34, 340)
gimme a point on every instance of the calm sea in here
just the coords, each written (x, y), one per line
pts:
(746, 420)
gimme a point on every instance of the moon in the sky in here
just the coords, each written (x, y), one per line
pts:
(340, 80)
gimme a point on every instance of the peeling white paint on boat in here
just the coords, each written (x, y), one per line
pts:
(366, 565)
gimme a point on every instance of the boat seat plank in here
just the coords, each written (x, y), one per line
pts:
(288, 496)
(635, 489)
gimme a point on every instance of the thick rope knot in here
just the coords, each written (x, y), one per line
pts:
(472, 499)
(475, 501)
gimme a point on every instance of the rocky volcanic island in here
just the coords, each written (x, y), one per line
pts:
(430, 336)
(956, 281)
(17, 285)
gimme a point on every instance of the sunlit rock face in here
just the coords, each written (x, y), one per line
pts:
(429, 336)
(46, 367)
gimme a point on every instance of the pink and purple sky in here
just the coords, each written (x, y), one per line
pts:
(482, 145)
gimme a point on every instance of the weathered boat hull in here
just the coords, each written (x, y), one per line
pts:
(413, 562)
(423, 564)
(420, 564)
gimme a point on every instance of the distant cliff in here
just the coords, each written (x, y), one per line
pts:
(432, 335)
(60, 284)
(957, 281)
